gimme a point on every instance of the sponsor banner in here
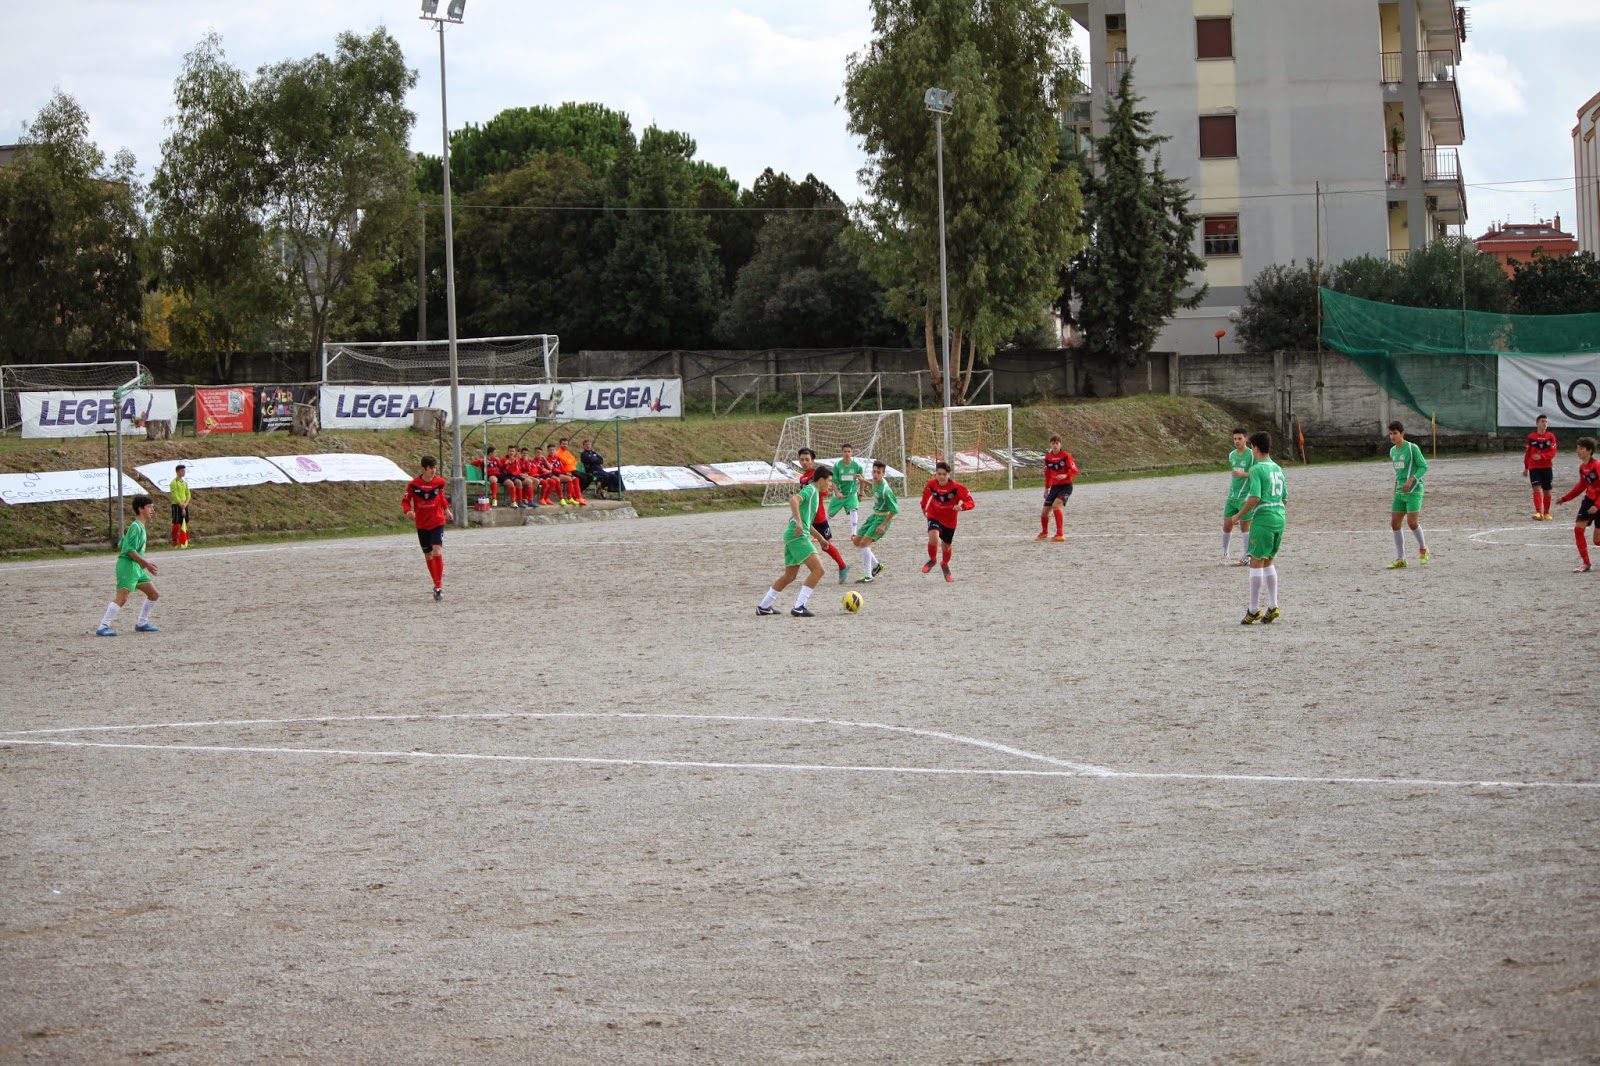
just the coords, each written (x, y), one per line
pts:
(1025, 457)
(338, 466)
(229, 472)
(85, 412)
(390, 406)
(661, 479)
(224, 410)
(54, 485)
(275, 405)
(602, 401)
(747, 473)
(1565, 389)
(866, 467)
(965, 463)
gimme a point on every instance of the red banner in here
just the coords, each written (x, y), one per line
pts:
(224, 410)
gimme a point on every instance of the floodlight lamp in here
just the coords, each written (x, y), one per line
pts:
(939, 100)
(430, 9)
(455, 10)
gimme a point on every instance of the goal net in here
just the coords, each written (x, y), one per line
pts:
(480, 361)
(17, 378)
(980, 441)
(870, 434)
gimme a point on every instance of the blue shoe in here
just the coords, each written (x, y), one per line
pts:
(145, 627)
(844, 574)
(105, 631)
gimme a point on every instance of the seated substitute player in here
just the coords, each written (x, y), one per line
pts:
(491, 465)
(1409, 468)
(1265, 494)
(808, 467)
(1538, 466)
(884, 507)
(1239, 461)
(594, 467)
(1589, 510)
(520, 467)
(847, 489)
(943, 500)
(134, 571)
(1059, 470)
(800, 541)
(427, 501)
(569, 470)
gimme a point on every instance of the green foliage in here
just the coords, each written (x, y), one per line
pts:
(1548, 285)
(1141, 254)
(591, 133)
(1280, 310)
(70, 241)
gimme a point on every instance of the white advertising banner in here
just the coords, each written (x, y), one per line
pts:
(754, 472)
(1565, 389)
(661, 479)
(866, 467)
(390, 406)
(609, 401)
(337, 466)
(55, 485)
(229, 472)
(85, 412)
(966, 463)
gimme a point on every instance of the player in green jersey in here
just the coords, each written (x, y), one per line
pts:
(134, 571)
(884, 507)
(800, 542)
(1409, 468)
(1239, 461)
(847, 488)
(1265, 494)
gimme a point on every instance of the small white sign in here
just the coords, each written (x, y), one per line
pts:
(53, 486)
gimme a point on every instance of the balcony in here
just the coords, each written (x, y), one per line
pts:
(1436, 84)
(1441, 180)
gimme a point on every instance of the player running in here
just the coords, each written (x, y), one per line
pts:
(800, 541)
(1409, 468)
(1538, 466)
(428, 503)
(1059, 470)
(943, 500)
(808, 467)
(134, 571)
(1262, 507)
(1589, 510)
(884, 507)
(1239, 461)
(847, 488)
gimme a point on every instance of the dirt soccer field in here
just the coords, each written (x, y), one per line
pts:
(591, 808)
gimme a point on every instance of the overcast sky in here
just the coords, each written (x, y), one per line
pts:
(754, 81)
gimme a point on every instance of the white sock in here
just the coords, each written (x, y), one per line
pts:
(855, 517)
(805, 594)
(866, 560)
(1421, 544)
(769, 598)
(144, 611)
(872, 556)
(1271, 573)
(1226, 537)
(1255, 589)
(1399, 545)
(111, 613)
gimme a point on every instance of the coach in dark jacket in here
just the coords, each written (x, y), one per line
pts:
(592, 470)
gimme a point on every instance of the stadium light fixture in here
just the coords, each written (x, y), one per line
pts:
(458, 480)
(940, 102)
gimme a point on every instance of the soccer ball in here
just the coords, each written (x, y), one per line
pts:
(853, 602)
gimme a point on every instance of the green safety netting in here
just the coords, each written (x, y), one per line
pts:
(1445, 363)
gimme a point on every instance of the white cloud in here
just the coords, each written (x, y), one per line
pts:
(1493, 84)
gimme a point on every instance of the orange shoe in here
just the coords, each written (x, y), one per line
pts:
(1042, 536)
(1059, 538)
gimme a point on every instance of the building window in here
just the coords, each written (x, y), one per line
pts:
(1218, 137)
(1213, 38)
(1221, 235)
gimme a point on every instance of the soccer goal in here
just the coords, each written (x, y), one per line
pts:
(17, 378)
(870, 434)
(980, 440)
(479, 360)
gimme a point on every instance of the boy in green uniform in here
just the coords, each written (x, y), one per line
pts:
(1239, 461)
(1409, 467)
(847, 488)
(798, 547)
(179, 492)
(1263, 509)
(884, 507)
(134, 571)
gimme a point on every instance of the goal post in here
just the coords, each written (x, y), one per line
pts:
(870, 434)
(17, 378)
(981, 440)
(521, 360)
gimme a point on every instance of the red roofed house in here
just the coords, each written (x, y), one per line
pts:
(1521, 241)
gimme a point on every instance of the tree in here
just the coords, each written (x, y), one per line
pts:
(1448, 274)
(1013, 213)
(1280, 310)
(70, 241)
(1141, 255)
(1548, 285)
(591, 133)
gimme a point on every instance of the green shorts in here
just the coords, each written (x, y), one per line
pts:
(130, 575)
(1407, 502)
(1230, 507)
(797, 549)
(843, 503)
(875, 526)
(1266, 538)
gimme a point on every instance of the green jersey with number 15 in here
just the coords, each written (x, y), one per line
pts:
(1266, 484)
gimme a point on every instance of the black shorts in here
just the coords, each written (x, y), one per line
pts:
(431, 538)
(823, 530)
(946, 533)
(177, 514)
(1589, 511)
(1541, 477)
(1057, 492)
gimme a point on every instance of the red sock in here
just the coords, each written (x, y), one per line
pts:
(933, 553)
(436, 570)
(516, 495)
(1583, 543)
(833, 553)
(1061, 521)
(1537, 495)
(1044, 522)
(577, 490)
(1547, 501)
(947, 555)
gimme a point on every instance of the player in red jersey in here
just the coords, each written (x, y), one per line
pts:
(490, 464)
(548, 482)
(943, 500)
(808, 464)
(1538, 466)
(511, 473)
(1059, 470)
(1589, 511)
(427, 501)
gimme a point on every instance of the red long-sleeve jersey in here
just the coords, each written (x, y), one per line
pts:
(426, 502)
(1541, 451)
(1059, 469)
(944, 504)
(806, 477)
(1588, 482)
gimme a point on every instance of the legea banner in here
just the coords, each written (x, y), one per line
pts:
(338, 466)
(390, 406)
(612, 400)
(85, 412)
(52, 486)
(1565, 389)
(225, 472)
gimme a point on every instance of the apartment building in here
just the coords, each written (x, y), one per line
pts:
(1586, 169)
(1295, 124)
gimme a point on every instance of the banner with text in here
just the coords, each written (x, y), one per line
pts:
(750, 472)
(610, 401)
(226, 472)
(275, 405)
(52, 486)
(224, 410)
(1565, 389)
(390, 406)
(661, 479)
(86, 412)
(338, 466)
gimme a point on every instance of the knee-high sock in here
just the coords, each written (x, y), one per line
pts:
(834, 554)
(866, 559)
(1583, 543)
(1399, 545)
(1538, 494)
(1255, 589)
(1227, 536)
(112, 608)
(770, 598)
(933, 552)
(145, 610)
(1061, 521)
(805, 594)
(1044, 522)
(1546, 508)
(1271, 574)
(946, 559)
(1422, 545)
(436, 570)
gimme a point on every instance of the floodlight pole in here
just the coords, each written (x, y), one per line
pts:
(458, 481)
(938, 101)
